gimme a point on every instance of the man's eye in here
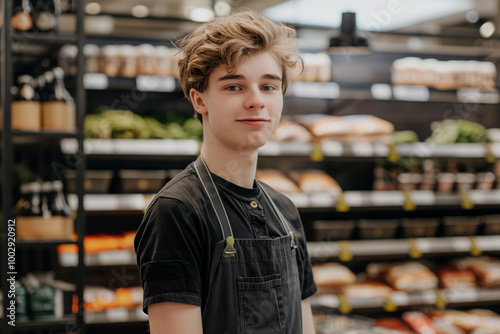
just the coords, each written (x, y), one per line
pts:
(268, 88)
(232, 88)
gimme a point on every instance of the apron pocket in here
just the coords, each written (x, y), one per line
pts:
(261, 304)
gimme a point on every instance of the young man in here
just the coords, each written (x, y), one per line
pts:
(218, 251)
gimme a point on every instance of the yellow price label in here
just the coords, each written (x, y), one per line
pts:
(341, 205)
(317, 152)
(389, 305)
(344, 306)
(490, 157)
(440, 299)
(345, 253)
(409, 204)
(393, 154)
(474, 248)
(465, 201)
(415, 253)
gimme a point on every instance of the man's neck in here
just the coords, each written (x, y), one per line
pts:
(238, 168)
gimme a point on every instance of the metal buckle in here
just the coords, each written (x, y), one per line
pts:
(229, 251)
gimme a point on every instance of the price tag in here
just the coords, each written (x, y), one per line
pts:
(321, 90)
(344, 306)
(317, 153)
(490, 157)
(411, 93)
(409, 204)
(415, 252)
(389, 305)
(381, 91)
(155, 83)
(465, 200)
(97, 81)
(393, 154)
(440, 299)
(341, 206)
(474, 248)
(345, 253)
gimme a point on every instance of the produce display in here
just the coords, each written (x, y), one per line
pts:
(124, 124)
(452, 131)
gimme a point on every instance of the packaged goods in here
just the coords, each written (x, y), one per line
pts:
(277, 180)
(289, 130)
(315, 180)
(26, 106)
(451, 278)
(332, 277)
(410, 276)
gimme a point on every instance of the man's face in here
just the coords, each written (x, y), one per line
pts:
(241, 110)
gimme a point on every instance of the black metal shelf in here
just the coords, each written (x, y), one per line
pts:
(43, 38)
(65, 324)
(44, 243)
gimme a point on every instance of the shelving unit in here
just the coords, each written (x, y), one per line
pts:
(14, 46)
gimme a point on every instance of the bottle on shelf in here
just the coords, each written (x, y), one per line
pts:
(58, 107)
(22, 16)
(29, 211)
(47, 13)
(58, 206)
(26, 106)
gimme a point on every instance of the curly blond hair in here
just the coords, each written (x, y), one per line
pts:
(226, 41)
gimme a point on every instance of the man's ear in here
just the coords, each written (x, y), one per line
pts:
(197, 101)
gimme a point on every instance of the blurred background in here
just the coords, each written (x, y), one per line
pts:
(388, 146)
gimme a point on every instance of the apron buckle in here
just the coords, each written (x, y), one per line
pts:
(293, 244)
(229, 251)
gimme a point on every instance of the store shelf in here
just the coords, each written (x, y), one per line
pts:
(117, 257)
(43, 38)
(353, 199)
(319, 250)
(44, 243)
(403, 299)
(328, 149)
(61, 324)
(116, 316)
(143, 83)
(387, 92)
(141, 147)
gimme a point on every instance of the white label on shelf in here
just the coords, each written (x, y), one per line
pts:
(380, 150)
(362, 149)
(271, 148)
(118, 314)
(355, 198)
(463, 295)
(69, 145)
(155, 83)
(332, 148)
(295, 148)
(485, 196)
(300, 200)
(321, 199)
(325, 90)
(318, 249)
(460, 244)
(95, 81)
(411, 93)
(326, 300)
(478, 95)
(400, 298)
(423, 197)
(381, 91)
(495, 149)
(115, 257)
(391, 198)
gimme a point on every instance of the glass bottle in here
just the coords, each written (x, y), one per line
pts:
(47, 13)
(58, 107)
(26, 107)
(31, 206)
(22, 16)
(60, 211)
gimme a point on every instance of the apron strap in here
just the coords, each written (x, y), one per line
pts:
(283, 221)
(213, 195)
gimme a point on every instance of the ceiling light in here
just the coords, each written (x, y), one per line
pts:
(140, 11)
(93, 8)
(487, 29)
(348, 37)
(200, 14)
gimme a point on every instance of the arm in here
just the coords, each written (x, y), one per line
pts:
(307, 318)
(174, 318)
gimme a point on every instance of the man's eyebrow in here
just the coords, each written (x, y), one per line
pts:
(240, 76)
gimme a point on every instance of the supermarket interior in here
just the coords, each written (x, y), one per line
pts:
(388, 145)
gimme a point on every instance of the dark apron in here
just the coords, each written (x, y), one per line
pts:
(254, 282)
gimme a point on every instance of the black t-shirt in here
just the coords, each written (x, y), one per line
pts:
(176, 238)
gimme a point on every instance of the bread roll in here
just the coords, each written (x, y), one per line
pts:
(289, 130)
(326, 126)
(410, 276)
(315, 180)
(332, 277)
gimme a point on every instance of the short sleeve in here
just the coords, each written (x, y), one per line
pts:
(169, 246)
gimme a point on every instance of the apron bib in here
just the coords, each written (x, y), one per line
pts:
(254, 283)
